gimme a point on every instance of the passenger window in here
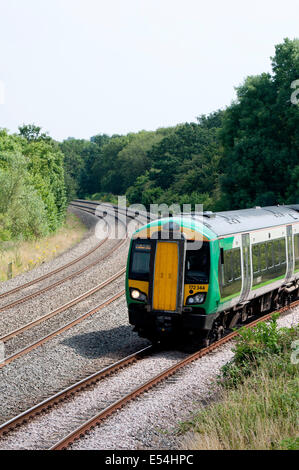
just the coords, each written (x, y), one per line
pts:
(276, 252)
(268, 261)
(263, 256)
(256, 258)
(228, 267)
(283, 255)
(230, 277)
(270, 255)
(237, 264)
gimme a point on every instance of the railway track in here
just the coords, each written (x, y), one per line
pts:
(28, 297)
(84, 205)
(65, 327)
(104, 413)
(98, 418)
(69, 392)
(24, 350)
(130, 213)
(55, 271)
(28, 326)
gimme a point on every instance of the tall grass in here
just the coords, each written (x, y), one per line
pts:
(259, 400)
(26, 255)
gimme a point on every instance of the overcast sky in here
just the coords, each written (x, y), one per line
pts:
(82, 67)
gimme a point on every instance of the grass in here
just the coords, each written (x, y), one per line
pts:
(26, 255)
(258, 407)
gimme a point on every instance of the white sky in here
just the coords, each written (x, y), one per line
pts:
(82, 67)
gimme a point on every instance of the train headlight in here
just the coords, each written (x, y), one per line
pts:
(137, 295)
(196, 299)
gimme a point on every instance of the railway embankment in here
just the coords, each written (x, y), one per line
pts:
(258, 396)
(21, 257)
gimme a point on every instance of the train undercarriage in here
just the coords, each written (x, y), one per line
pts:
(166, 329)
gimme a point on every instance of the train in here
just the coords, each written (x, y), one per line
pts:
(195, 276)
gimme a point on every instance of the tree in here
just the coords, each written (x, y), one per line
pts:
(32, 132)
(260, 136)
(22, 211)
(32, 182)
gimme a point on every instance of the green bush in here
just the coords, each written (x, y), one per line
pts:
(253, 345)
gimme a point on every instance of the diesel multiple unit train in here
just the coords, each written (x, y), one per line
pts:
(199, 274)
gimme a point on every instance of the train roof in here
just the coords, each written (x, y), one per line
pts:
(247, 220)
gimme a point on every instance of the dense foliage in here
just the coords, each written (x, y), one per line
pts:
(243, 156)
(32, 190)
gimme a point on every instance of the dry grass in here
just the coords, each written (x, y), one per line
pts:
(261, 413)
(24, 256)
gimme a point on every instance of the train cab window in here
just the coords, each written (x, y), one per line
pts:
(296, 246)
(140, 260)
(197, 267)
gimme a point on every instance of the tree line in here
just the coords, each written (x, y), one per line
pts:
(246, 155)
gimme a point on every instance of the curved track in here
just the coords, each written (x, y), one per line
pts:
(65, 278)
(69, 304)
(52, 273)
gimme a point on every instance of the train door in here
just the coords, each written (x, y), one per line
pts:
(165, 286)
(290, 252)
(246, 267)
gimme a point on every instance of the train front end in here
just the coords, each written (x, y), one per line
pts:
(170, 277)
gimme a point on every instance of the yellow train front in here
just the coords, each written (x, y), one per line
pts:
(166, 295)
